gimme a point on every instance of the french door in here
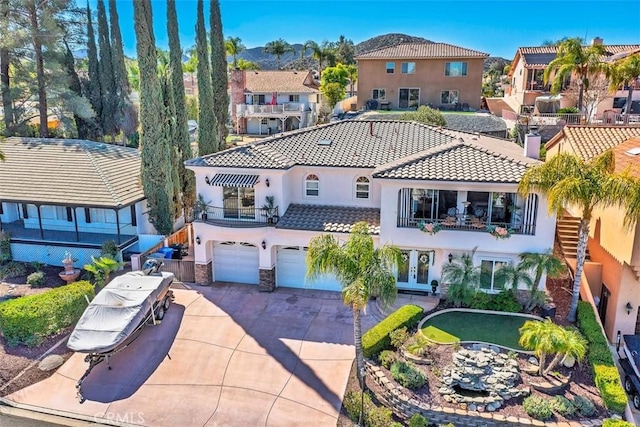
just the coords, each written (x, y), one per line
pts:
(413, 270)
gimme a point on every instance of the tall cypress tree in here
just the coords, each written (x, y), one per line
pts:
(170, 131)
(155, 152)
(107, 79)
(219, 72)
(121, 81)
(82, 126)
(187, 182)
(93, 91)
(207, 123)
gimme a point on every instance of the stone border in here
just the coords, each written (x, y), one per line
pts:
(405, 407)
(472, 310)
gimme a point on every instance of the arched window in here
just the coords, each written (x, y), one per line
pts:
(362, 187)
(312, 186)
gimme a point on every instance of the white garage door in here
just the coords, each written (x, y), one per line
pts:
(235, 262)
(291, 270)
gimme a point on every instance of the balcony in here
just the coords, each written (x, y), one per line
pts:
(469, 223)
(608, 118)
(238, 217)
(21, 233)
(286, 109)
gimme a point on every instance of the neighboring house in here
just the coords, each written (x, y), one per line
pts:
(59, 195)
(527, 82)
(411, 74)
(391, 174)
(269, 102)
(612, 275)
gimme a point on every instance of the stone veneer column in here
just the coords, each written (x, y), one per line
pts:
(238, 84)
(203, 274)
(267, 280)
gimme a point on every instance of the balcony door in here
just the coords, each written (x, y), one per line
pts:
(408, 98)
(413, 270)
(239, 202)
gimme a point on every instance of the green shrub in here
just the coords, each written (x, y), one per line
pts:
(377, 338)
(506, 301)
(612, 422)
(352, 404)
(35, 279)
(399, 337)
(584, 406)
(30, 319)
(109, 248)
(605, 374)
(425, 114)
(562, 406)
(417, 420)
(419, 345)
(387, 358)
(12, 269)
(568, 110)
(407, 375)
(36, 265)
(537, 407)
(5, 247)
(481, 301)
(379, 416)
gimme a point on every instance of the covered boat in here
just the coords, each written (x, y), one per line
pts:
(630, 362)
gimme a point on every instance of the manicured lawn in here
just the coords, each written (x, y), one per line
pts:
(468, 326)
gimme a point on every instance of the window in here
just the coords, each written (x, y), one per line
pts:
(102, 215)
(264, 122)
(455, 69)
(258, 99)
(134, 218)
(379, 94)
(312, 186)
(362, 188)
(408, 68)
(489, 280)
(449, 97)
(391, 67)
(238, 202)
(408, 98)
(294, 98)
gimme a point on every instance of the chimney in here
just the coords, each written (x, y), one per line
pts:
(238, 84)
(597, 41)
(532, 145)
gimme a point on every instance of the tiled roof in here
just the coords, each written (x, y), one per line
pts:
(456, 161)
(338, 219)
(588, 141)
(69, 172)
(539, 56)
(279, 81)
(422, 50)
(626, 161)
(366, 144)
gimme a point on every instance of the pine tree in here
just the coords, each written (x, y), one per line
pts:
(107, 79)
(187, 183)
(155, 153)
(219, 72)
(83, 127)
(119, 69)
(92, 90)
(35, 26)
(7, 104)
(207, 123)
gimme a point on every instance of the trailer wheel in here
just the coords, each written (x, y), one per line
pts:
(160, 313)
(628, 385)
(636, 400)
(166, 303)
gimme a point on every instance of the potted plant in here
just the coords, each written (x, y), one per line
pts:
(201, 206)
(499, 232)
(429, 227)
(434, 286)
(269, 208)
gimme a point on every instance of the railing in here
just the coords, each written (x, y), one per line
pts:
(467, 223)
(611, 118)
(545, 119)
(289, 107)
(238, 217)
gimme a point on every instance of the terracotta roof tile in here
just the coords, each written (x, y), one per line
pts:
(539, 56)
(422, 50)
(337, 219)
(625, 159)
(69, 172)
(589, 141)
(279, 81)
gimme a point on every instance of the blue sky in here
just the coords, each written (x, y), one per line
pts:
(495, 27)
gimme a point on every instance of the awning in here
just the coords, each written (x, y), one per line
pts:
(233, 180)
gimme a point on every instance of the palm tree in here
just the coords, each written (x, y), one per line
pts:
(573, 58)
(362, 270)
(567, 180)
(572, 344)
(192, 63)
(243, 64)
(462, 277)
(625, 73)
(323, 52)
(234, 46)
(278, 48)
(543, 263)
(309, 44)
(512, 275)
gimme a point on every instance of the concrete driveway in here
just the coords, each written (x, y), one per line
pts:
(225, 355)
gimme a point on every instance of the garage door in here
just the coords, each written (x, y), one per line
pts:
(291, 270)
(235, 262)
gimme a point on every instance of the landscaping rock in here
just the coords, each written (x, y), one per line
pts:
(51, 362)
(569, 362)
(533, 361)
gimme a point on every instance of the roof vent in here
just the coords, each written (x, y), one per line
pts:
(460, 139)
(634, 151)
(324, 142)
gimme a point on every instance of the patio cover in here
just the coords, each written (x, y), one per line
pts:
(233, 180)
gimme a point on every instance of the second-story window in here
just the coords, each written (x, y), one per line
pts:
(379, 94)
(391, 67)
(455, 69)
(294, 98)
(362, 187)
(312, 186)
(408, 68)
(258, 99)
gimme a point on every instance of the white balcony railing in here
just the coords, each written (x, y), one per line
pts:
(288, 108)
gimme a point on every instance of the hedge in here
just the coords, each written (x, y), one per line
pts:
(30, 319)
(605, 373)
(616, 423)
(377, 338)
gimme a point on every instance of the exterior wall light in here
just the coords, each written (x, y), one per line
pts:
(266, 182)
(198, 241)
(629, 307)
(450, 257)
(264, 245)
(207, 180)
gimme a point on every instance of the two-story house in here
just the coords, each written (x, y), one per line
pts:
(267, 102)
(65, 195)
(527, 81)
(268, 199)
(612, 276)
(411, 74)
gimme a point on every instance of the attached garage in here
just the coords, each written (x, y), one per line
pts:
(235, 262)
(291, 270)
